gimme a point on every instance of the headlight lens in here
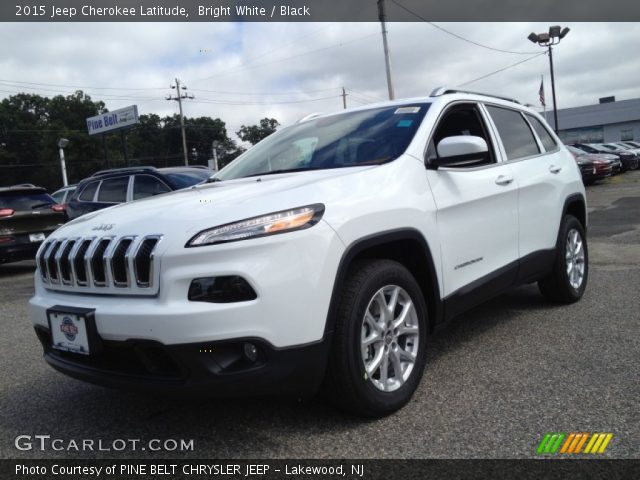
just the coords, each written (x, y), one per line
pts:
(297, 218)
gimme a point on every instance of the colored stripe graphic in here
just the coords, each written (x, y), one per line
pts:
(582, 442)
(552, 443)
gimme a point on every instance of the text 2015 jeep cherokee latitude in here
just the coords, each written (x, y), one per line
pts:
(322, 257)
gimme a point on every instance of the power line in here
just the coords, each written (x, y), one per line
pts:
(79, 86)
(266, 93)
(500, 70)
(460, 37)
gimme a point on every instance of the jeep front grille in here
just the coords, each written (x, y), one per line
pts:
(103, 265)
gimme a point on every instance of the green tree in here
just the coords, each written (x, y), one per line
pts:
(254, 133)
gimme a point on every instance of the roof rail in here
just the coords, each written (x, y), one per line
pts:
(309, 117)
(124, 170)
(437, 92)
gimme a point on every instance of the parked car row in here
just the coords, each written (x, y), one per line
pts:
(28, 214)
(601, 160)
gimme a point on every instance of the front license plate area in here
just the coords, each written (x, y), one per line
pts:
(73, 329)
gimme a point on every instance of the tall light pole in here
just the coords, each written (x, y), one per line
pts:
(382, 16)
(553, 37)
(63, 142)
(179, 96)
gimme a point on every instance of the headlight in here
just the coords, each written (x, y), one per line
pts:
(273, 223)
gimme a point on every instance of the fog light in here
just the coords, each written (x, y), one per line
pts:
(251, 352)
(227, 289)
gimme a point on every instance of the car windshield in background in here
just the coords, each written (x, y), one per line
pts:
(186, 179)
(351, 139)
(25, 201)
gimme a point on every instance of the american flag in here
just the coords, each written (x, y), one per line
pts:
(541, 93)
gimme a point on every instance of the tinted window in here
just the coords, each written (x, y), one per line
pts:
(88, 192)
(147, 186)
(113, 190)
(543, 134)
(25, 201)
(516, 136)
(187, 179)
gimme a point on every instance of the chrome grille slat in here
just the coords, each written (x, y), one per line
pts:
(124, 265)
(120, 262)
(52, 271)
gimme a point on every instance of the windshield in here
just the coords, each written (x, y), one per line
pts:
(368, 137)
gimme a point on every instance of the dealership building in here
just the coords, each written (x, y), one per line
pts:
(607, 121)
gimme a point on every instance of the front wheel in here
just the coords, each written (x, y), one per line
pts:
(567, 281)
(378, 352)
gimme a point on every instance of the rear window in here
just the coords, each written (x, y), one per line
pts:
(113, 190)
(516, 136)
(25, 201)
(88, 192)
(543, 134)
(187, 179)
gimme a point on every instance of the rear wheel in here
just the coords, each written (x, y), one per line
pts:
(568, 279)
(378, 353)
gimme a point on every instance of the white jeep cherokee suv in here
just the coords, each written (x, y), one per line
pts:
(322, 257)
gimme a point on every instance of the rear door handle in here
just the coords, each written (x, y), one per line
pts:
(504, 180)
(554, 169)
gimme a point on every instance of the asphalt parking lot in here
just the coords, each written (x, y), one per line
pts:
(496, 381)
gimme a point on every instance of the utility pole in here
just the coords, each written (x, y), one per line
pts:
(179, 98)
(344, 99)
(387, 60)
(553, 91)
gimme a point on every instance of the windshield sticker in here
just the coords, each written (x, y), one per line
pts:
(404, 123)
(407, 110)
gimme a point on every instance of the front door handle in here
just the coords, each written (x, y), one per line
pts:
(554, 169)
(504, 180)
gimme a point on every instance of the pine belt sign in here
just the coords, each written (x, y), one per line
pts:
(114, 120)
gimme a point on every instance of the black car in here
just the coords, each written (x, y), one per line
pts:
(626, 158)
(111, 187)
(27, 216)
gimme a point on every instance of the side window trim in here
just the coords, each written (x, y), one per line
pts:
(499, 138)
(483, 118)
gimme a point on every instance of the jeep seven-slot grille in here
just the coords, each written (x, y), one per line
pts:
(110, 265)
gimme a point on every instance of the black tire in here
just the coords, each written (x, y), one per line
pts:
(346, 384)
(556, 286)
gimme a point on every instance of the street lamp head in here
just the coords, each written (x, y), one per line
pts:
(554, 32)
(564, 32)
(543, 38)
(533, 37)
(63, 142)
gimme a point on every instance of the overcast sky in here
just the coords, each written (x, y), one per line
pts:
(243, 72)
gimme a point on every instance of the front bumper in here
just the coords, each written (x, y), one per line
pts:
(216, 369)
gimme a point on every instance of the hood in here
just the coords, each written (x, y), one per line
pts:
(204, 206)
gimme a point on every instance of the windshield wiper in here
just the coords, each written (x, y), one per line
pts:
(40, 205)
(212, 180)
(284, 170)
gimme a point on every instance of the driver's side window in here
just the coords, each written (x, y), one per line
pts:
(462, 119)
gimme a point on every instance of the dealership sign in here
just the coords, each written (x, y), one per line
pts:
(114, 120)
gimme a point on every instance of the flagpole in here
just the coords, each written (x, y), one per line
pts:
(544, 105)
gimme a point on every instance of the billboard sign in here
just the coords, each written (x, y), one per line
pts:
(114, 120)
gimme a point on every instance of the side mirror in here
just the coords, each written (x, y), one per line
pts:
(459, 149)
